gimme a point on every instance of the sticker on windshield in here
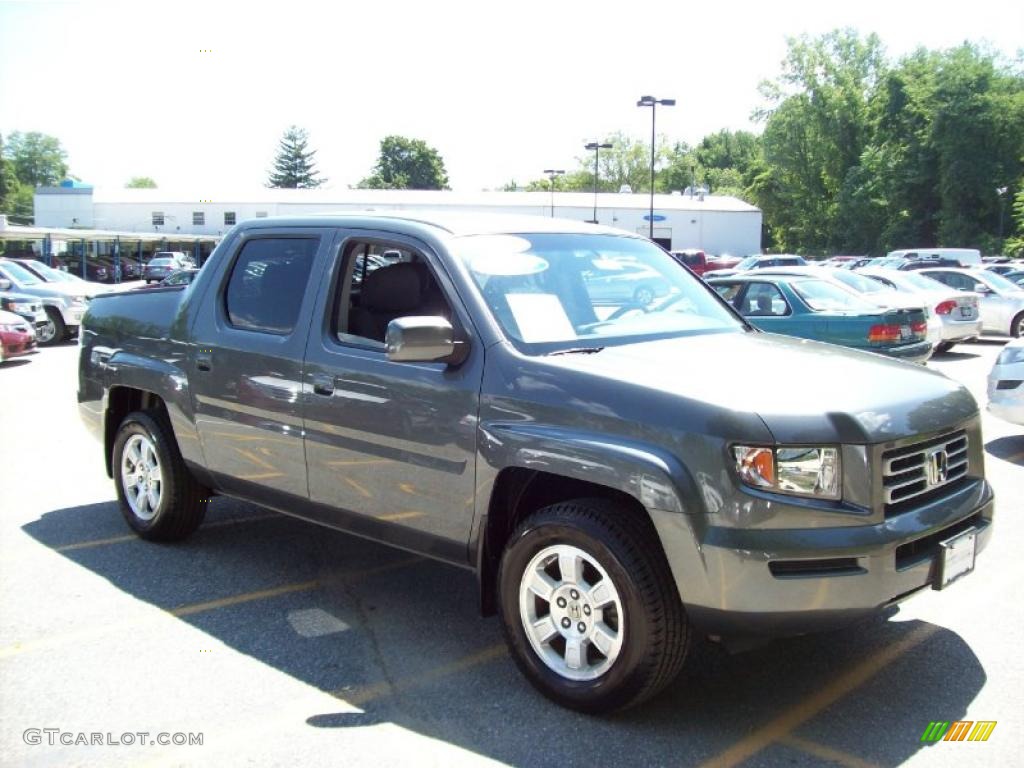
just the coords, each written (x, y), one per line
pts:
(540, 317)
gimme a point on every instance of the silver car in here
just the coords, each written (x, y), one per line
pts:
(958, 311)
(1001, 303)
(1006, 384)
(64, 303)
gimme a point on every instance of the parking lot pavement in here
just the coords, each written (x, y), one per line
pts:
(284, 643)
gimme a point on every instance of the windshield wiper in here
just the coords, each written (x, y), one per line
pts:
(576, 351)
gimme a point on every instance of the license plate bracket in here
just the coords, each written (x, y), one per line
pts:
(957, 556)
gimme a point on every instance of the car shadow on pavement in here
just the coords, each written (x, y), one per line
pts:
(1009, 449)
(398, 639)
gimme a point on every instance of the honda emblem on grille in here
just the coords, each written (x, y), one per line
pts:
(937, 467)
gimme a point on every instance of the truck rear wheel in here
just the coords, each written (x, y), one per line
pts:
(589, 607)
(158, 495)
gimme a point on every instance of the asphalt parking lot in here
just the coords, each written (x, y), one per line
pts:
(284, 643)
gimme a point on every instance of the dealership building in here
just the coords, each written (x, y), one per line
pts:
(715, 224)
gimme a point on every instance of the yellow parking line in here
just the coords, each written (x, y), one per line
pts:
(353, 484)
(399, 516)
(356, 462)
(99, 630)
(248, 597)
(358, 697)
(824, 752)
(132, 537)
(800, 713)
(256, 459)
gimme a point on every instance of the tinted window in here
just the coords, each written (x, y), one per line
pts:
(268, 282)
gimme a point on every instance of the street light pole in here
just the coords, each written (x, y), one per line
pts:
(1001, 191)
(552, 175)
(650, 101)
(597, 147)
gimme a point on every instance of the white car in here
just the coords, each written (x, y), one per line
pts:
(1006, 384)
(1002, 301)
(957, 311)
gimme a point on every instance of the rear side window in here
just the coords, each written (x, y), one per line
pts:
(268, 282)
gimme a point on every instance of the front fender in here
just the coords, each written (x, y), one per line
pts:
(651, 475)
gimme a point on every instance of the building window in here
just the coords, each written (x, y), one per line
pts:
(198, 218)
(261, 214)
(158, 218)
(229, 218)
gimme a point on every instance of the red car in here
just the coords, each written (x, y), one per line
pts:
(699, 262)
(17, 337)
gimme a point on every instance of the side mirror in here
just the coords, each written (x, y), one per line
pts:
(981, 288)
(5, 284)
(423, 340)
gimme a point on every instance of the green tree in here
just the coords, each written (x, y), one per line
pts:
(140, 182)
(816, 127)
(406, 163)
(37, 160)
(294, 167)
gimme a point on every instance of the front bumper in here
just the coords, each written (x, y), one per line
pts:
(786, 581)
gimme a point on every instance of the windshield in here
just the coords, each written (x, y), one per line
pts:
(860, 283)
(48, 274)
(747, 263)
(19, 274)
(828, 297)
(998, 282)
(552, 291)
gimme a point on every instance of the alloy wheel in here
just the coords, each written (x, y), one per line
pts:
(141, 476)
(571, 612)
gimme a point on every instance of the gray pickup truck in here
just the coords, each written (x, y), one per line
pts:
(619, 473)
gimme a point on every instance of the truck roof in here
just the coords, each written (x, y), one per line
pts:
(454, 223)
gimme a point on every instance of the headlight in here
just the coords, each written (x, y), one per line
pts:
(801, 471)
(1011, 355)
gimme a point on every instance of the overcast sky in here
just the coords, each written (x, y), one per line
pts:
(502, 89)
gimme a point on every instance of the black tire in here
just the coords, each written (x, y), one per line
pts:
(59, 329)
(1017, 326)
(943, 346)
(183, 501)
(656, 631)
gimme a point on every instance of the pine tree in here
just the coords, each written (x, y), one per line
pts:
(294, 167)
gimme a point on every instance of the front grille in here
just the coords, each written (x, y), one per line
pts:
(1008, 384)
(908, 472)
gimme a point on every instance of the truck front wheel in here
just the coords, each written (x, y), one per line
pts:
(158, 495)
(589, 607)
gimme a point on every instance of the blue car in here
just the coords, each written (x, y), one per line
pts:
(812, 308)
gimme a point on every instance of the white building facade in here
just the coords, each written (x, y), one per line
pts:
(715, 224)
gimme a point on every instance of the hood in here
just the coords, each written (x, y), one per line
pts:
(69, 290)
(804, 391)
(9, 318)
